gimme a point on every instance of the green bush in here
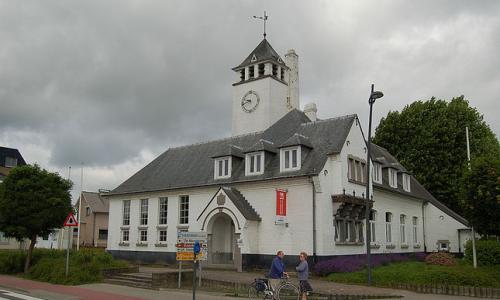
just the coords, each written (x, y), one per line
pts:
(12, 261)
(487, 252)
(84, 267)
(50, 265)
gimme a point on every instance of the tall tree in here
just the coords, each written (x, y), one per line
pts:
(481, 195)
(428, 138)
(32, 203)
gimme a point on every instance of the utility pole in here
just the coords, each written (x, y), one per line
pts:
(474, 257)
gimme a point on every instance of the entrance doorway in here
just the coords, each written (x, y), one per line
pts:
(222, 242)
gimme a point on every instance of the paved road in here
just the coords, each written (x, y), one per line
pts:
(14, 288)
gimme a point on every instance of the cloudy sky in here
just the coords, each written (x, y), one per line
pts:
(112, 84)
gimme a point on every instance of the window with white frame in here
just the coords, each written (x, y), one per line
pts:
(184, 210)
(126, 212)
(406, 182)
(125, 235)
(388, 227)
(254, 163)
(359, 232)
(339, 230)
(402, 229)
(144, 212)
(415, 223)
(162, 236)
(163, 211)
(290, 159)
(10, 162)
(222, 167)
(356, 170)
(349, 231)
(143, 235)
(377, 172)
(393, 177)
(373, 219)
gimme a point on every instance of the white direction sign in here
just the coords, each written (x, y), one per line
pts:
(185, 245)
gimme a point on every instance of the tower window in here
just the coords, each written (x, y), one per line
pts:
(251, 71)
(261, 70)
(242, 74)
(275, 70)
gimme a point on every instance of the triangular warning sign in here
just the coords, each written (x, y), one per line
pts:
(70, 220)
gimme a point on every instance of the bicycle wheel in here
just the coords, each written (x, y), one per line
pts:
(288, 291)
(255, 293)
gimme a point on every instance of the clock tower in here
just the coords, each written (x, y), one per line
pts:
(267, 89)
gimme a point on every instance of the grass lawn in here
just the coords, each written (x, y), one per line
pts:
(424, 274)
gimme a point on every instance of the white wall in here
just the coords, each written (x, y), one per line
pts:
(271, 108)
(264, 237)
(440, 226)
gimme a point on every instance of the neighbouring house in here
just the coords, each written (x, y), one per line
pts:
(285, 180)
(57, 239)
(93, 220)
(9, 159)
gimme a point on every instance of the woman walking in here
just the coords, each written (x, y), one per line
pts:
(303, 274)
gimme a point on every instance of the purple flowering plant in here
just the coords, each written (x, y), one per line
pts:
(353, 263)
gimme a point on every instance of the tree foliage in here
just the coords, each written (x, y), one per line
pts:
(32, 203)
(481, 195)
(428, 138)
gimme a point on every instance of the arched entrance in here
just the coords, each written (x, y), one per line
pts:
(222, 246)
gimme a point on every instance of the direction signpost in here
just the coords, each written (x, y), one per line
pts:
(191, 246)
(69, 222)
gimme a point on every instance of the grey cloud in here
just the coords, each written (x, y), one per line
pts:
(102, 81)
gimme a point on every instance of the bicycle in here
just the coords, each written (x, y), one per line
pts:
(261, 289)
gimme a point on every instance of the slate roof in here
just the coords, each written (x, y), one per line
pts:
(263, 52)
(192, 166)
(242, 204)
(97, 203)
(297, 140)
(11, 152)
(382, 156)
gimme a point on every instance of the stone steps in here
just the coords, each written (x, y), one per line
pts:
(139, 280)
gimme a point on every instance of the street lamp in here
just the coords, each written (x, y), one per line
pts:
(374, 95)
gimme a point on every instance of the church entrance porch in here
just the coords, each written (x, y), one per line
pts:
(223, 252)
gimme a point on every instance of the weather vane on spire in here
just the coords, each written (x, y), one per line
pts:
(264, 18)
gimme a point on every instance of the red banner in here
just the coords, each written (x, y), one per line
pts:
(280, 203)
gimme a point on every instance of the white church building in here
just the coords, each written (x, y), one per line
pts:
(284, 180)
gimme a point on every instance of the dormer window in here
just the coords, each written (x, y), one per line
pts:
(275, 70)
(222, 167)
(290, 159)
(406, 182)
(393, 177)
(10, 162)
(377, 172)
(254, 163)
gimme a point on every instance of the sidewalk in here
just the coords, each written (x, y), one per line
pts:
(319, 285)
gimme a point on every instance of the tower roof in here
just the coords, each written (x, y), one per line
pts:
(263, 52)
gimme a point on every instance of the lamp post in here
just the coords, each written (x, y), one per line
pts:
(373, 96)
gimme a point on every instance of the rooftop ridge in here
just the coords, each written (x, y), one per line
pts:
(330, 119)
(216, 140)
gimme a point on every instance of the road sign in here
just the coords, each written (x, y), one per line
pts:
(188, 242)
(70, 220)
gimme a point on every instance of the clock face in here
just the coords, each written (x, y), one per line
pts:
(250, 101)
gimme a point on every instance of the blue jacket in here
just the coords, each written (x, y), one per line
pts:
(277, 268)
